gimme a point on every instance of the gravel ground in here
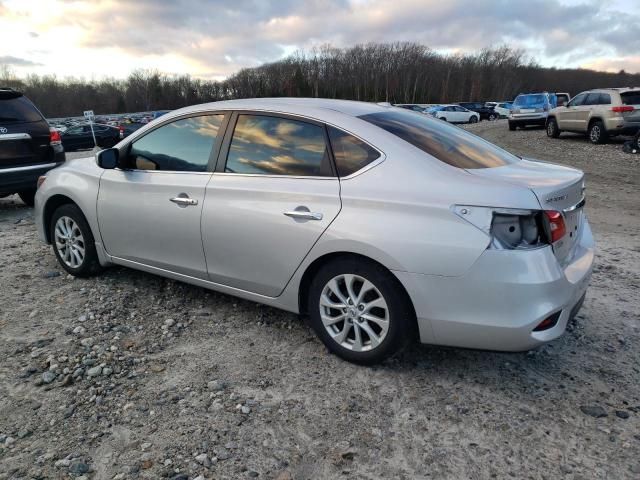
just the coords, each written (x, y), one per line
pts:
(128, 375)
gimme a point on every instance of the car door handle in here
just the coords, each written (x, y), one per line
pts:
(183, 201)
(304, 215)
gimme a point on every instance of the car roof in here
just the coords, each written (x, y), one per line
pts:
(291, 105)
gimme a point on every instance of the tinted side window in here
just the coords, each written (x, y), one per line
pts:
(447, 143)
(605, 99)
(183, 145)
(592, 99)
(351, 153)
(15, 110)
(577, 100)
(268, 145)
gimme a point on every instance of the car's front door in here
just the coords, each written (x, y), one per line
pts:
(272, 196)
(566, 116)
(149, 210)
(583, 112)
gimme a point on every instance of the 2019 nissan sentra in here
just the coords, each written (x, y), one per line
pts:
(380, 224)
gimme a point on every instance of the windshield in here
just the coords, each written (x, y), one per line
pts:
(446, 142)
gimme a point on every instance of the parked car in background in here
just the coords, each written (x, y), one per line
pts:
(599, 113)
(475, 247)
(29, 147)
(484, 111)
(531, 109)
(411, 106)
(80, 137)
(503, 109)
(562, 98)
(453, 114)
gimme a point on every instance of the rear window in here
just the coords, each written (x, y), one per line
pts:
(529, 100)
(631, 98)
(446, 142)
(14, 110)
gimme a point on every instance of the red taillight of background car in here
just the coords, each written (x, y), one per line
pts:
(557, 227)
(54, 137)
(121, 128)
(623, 108)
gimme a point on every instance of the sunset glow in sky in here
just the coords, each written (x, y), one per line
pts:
(215, 38)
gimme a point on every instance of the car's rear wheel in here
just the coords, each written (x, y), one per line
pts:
(597, 133)
(359, 310)
(473, 119)
(492, 117)
(28, 196)
(636, 141)
(73, 242)
(552, 128)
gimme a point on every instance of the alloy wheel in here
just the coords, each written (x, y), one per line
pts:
(354, 312)
(69, 242)
(595, 134)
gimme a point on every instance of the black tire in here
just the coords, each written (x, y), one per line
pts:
(400, 315)
(444, 119)
(28, 196)
(492, 117)
(635, 143)
(552, 128)
(597, 134)
(512, 126)
(473, 119)
(90, 264)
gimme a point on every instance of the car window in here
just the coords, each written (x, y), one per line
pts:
(530, 101)
(592, 99)
(270, 145)
(631, 98)
(182, 145)
(605, 99)
(351, 153)
(447, 143)
(460, 109)
(74, 131)
(577, 100)
(16, 110)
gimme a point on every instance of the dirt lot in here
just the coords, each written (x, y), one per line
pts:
(133, 376)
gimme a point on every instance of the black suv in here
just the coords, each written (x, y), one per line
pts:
(485, 112)
(28, 146)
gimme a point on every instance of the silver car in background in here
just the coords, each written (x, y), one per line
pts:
(379, 224)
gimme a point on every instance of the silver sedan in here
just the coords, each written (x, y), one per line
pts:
(378, 224)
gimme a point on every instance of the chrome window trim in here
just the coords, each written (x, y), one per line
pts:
(29, 167)
(15, 136)
(309, 177)
(181, 172)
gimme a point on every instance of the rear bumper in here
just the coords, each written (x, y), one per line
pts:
(500, 301)
(16, 179)
(528, 118)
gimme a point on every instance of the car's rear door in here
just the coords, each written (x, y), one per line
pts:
(149, 210)
(273, 194)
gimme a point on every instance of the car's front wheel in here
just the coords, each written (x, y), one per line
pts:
(552, 128)
(492, 117)
(359, 310)
(512, 126)
(73, 242)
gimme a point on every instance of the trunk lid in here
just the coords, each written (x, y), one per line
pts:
(556, 187)
(25, 143)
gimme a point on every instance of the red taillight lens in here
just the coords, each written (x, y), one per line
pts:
(121, 128)
(556, 225)
(623, 108)
(54, 137)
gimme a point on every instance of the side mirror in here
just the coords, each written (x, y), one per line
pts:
(108, 158)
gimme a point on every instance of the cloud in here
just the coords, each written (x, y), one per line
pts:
(216, 38)
(17, 62)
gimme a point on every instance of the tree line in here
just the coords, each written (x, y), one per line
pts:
(394, 72)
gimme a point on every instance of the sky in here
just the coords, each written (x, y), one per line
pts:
(212, 39)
